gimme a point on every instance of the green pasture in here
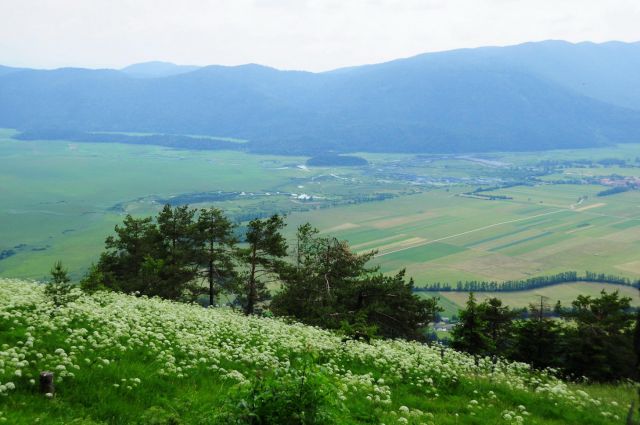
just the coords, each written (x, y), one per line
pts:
(60, 199)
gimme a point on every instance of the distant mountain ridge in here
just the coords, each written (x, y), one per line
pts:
(157, 69)
(531, 96)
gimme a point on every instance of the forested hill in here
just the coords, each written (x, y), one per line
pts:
(526, 97)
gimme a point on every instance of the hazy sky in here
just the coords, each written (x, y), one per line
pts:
(290, 34)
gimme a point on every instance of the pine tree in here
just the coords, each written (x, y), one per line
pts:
(331, 286)
(59, 287)
(216, 250)
(497, 320)
(468, 335)
(175, 268)
(155, 257)
(263, 258)
(537, 339)
(599, 345)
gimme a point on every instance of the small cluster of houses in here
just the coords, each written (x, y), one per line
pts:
(620, 181)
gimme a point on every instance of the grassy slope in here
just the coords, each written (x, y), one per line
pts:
(121, 359)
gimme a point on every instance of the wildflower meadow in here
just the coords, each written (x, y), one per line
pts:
(124, 359)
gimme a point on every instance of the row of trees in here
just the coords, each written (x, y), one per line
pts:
(530, 283)
(594, 338)
(182, 253)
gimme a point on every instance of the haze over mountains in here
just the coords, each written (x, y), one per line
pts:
(532, 96)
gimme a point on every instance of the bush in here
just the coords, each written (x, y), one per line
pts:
(301, 395)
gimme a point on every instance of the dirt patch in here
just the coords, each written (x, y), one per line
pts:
(588, 207)
(407, 243)
(344, 226)
(627, 235)
(500, 267)
(376, 242)
(399, 221)
(633, 267)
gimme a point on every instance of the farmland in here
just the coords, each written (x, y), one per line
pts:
(438, 236)
(412, 209)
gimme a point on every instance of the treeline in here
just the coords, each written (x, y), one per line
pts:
(613, 191)
(330, 160)
(584, 163)
(200, 255)
(166, 140)
(526, 284)
(594, 338)
(478, 192)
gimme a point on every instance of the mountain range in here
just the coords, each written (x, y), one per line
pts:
(533, 96)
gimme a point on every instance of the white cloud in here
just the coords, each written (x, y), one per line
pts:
(290, 34)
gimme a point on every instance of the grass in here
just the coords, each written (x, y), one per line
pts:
(120, 359)
(427, 229)
(61, 199)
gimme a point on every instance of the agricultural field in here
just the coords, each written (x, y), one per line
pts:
(565, 293)
(440, 236)
(414, 209)
(121, 359)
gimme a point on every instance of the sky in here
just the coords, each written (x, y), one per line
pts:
(313, 35)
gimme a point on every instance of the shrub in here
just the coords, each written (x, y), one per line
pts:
(299, 395)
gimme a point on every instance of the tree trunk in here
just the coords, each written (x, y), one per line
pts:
(46, 383)
(251, 293)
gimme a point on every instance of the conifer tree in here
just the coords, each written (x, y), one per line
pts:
(497, 320)
(329, 285)
(216, 250)
(59, 286)
(175, 268)
(599, 344)
(263, 258)
(537, 339)
(469, 335)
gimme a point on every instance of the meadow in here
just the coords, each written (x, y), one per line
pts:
(121, 359)
(61, 199)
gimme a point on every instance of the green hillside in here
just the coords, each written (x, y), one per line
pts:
(121, 359)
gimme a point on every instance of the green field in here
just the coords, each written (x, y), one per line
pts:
(59, 200)
(565, 293)
(438, 236)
